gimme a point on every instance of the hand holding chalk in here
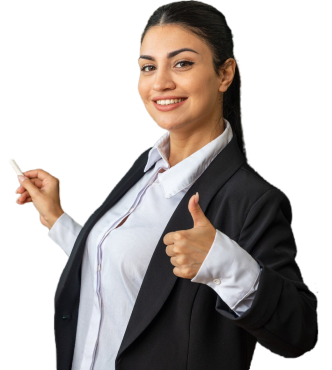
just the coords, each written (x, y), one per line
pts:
(42, 189)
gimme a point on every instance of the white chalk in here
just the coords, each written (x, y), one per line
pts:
(16, 167)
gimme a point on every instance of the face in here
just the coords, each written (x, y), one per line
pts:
(187, 74)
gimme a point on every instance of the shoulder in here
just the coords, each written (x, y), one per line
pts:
(248, 190)
(248, 182)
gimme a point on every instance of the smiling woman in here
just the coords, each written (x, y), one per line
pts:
(190, 260)
(184, 63)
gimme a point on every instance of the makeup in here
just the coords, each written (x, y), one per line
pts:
(166, 108)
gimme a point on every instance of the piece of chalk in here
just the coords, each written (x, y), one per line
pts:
(16, 167)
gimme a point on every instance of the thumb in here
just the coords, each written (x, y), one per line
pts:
(196, 212)
(28, 185)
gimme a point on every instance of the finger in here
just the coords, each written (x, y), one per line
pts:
(20, 189)
(24, 198)
(21, 199)
(177, 271)
(38, 173)
(35, 181)
(168, 238)
(29, 186)
(169, 251)
(28, 200)
(174, 263)
(25, 195)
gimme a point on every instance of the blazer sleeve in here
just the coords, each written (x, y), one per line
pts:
(283, 314)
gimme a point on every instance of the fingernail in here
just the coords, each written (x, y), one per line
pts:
(196, 198)
(21, 178)
(17, 200)
(17, 190)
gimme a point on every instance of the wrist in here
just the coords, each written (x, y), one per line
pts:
(51, 219)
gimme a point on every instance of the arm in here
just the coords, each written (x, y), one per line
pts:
(64, 232)
(283, 313)
(231, 272)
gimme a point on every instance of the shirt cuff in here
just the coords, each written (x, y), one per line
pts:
(64, 232)
(231, 272)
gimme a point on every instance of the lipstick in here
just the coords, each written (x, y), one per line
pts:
(166, 108)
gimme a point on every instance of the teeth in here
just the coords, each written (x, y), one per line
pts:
(169, 101)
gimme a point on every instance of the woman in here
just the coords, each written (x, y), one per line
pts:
(124, 301)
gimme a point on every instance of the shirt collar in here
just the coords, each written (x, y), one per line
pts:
(186, 172)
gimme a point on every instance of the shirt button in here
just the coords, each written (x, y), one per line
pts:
(216, 281)
(98, 267)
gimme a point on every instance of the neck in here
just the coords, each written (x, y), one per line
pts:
(184, 145)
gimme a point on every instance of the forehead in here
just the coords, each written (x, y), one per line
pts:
(160, 40)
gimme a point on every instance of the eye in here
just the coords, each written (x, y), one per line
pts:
(184, 61)
(150, 67)
(147, 66)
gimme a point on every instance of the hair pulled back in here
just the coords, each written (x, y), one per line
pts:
(210, 25)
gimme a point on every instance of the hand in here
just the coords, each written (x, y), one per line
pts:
(42, 189)
(188, 248)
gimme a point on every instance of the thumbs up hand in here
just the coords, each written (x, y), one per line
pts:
(188, 248)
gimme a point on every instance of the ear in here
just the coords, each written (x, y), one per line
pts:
(227, 73)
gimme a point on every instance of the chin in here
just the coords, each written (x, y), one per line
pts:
(170, 125)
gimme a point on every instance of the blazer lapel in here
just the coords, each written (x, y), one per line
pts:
(71, 273)
(160, 271)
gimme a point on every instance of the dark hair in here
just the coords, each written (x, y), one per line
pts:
(210, 25)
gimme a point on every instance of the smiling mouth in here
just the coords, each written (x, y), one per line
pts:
(169, 101)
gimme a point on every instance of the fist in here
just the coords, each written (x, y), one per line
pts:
(188, 248)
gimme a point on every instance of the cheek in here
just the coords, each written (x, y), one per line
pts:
(204, 90)
(143, 89)
(199, 89)
(139, 88)
(206, 83)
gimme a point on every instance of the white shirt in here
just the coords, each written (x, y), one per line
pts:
(115, 260)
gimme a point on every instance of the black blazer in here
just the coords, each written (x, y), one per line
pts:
(180, 325)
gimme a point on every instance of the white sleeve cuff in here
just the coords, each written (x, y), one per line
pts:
(231, 272)
(64, 232)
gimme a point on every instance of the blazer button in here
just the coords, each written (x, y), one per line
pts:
(66, 317)
(216, 281)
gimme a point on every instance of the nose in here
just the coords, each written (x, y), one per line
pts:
(163, 80)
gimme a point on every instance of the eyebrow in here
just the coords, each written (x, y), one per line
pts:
(169, 55)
